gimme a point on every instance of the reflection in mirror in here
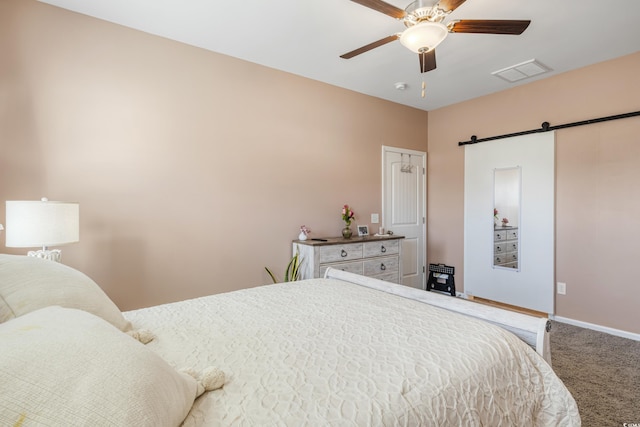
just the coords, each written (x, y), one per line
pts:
(506, 218)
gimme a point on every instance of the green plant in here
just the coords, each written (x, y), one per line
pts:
(292, 272)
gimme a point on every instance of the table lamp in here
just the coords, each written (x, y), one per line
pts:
(42, 224)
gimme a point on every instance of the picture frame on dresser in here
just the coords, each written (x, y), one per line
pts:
(363, 230)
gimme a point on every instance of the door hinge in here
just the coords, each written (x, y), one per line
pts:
(424, 220)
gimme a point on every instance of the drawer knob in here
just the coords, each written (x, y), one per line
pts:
(343, 253)
(499, 249)
(383, 267)
(383, 249)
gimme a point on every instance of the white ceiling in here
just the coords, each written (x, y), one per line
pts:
(306, 37)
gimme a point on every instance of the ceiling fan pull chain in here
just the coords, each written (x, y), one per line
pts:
(423, 83)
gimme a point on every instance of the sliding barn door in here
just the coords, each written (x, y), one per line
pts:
(529, 282)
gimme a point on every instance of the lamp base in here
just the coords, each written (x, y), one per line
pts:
(50, 254)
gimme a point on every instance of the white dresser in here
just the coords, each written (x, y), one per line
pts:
(371, 256)
(505, 247)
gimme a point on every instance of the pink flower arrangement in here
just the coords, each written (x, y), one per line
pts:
(347, 215)
(505, 221)
(304, 229)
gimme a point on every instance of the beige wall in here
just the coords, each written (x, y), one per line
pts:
(193, 170)
(597, 177)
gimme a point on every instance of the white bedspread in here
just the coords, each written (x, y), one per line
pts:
(323, 352)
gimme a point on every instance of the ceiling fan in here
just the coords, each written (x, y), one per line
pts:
(425, 30)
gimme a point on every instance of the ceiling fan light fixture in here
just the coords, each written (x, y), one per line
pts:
(424, 36)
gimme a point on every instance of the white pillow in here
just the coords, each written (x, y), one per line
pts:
(30, 283)
(61, 366)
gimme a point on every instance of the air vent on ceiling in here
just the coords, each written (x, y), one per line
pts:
(521, 71)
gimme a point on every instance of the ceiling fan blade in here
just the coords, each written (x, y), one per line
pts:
(370, 46)
(427, 61)
(488, 26)
(450, 5)
(383, 7)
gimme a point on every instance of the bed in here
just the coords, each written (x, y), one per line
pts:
(341, 350)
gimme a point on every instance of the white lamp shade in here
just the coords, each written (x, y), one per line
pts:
(424, 36)
(41, 223)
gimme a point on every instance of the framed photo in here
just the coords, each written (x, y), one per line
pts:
(363, 230)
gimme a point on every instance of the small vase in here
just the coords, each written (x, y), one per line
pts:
(302, 236)
(346, 232)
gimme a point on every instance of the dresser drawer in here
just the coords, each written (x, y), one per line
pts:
(334, 253)
(372, 249)
(351, 267)
(512, 256)
(512, 246)
(499, 236)
(500, 248)
(389, 277)
(373, 267)
(499, 259)
(512, 234)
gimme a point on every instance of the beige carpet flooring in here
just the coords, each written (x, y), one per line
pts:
(601, 371)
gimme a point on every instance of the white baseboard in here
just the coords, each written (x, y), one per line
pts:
(599, 328)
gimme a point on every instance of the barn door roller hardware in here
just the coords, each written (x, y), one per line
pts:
(546, 127)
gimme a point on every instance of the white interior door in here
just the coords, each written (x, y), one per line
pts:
(404, 208)
(531, 284)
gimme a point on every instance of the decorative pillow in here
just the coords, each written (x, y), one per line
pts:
(61, 366)
(30, 283)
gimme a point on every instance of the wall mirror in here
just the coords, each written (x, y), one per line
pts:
(506, 217)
